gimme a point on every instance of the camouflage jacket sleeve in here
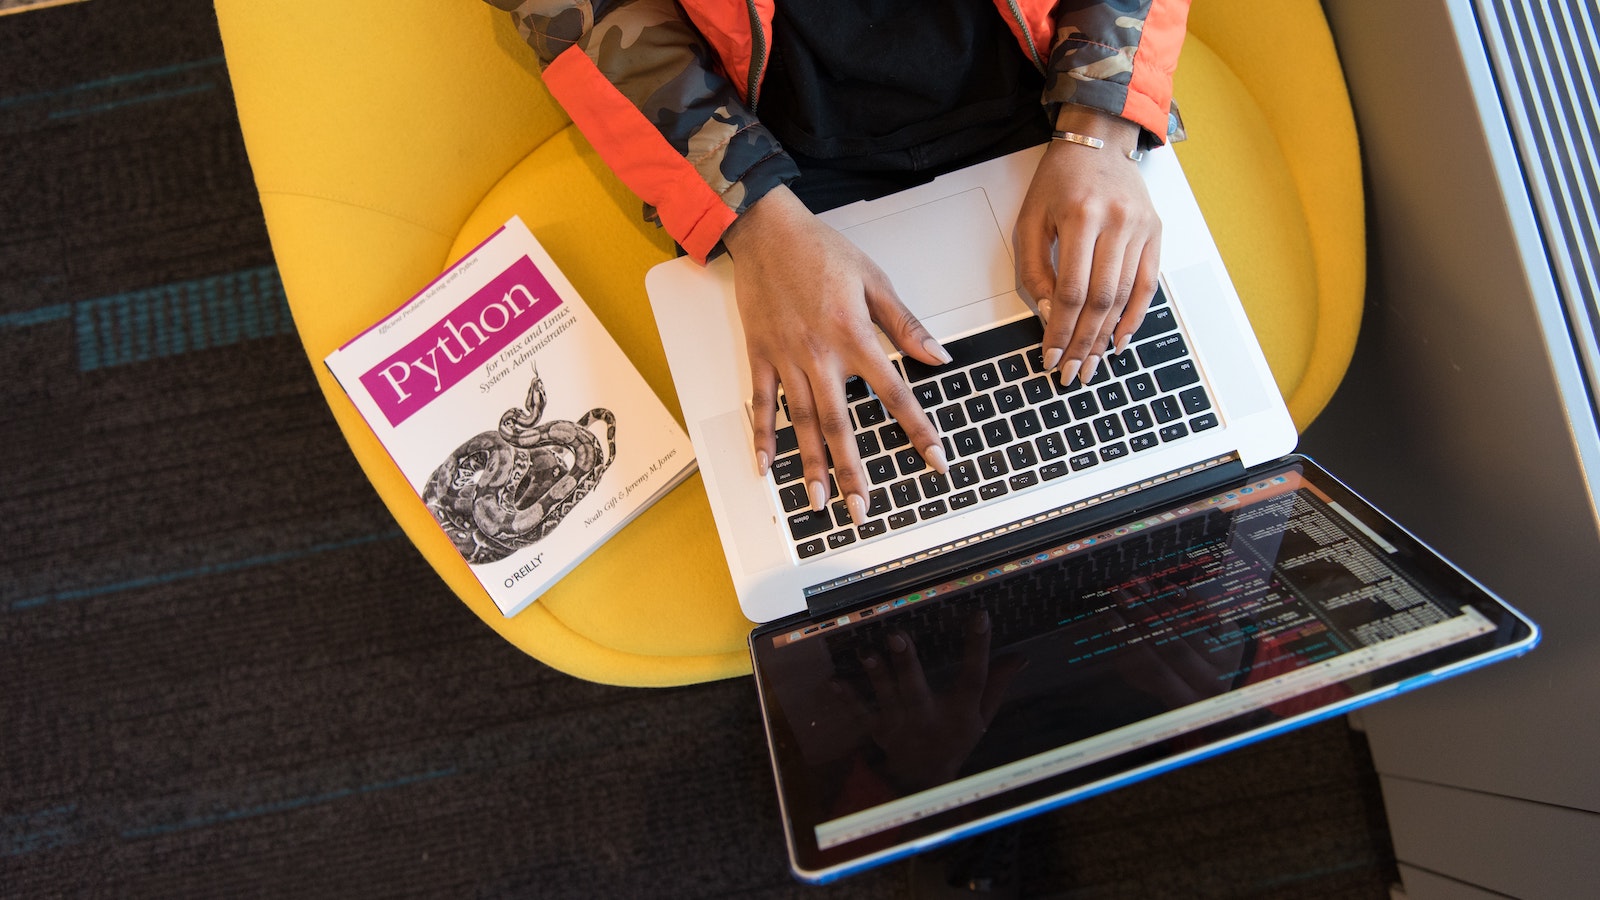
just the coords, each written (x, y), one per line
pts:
(641, 85)
(1119, 56)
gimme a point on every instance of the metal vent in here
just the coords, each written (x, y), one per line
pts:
(1545, 55)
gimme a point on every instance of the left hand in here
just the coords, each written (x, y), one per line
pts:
(1091, 207)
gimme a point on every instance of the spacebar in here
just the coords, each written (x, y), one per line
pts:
(979, 347)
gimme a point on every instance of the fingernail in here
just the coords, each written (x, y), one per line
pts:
(762, 463)
(1089, 365)
(933, 346)
(1069, 370)
(934, 454)
(897, 642)
(1044, 310)
(1122, 342)
(1051, 357)
(819, 495)
(858, 508)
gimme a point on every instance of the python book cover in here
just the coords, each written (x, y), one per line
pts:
(521, 425)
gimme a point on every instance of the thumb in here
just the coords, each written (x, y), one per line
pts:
(903, 328)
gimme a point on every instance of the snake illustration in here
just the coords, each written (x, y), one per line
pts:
(506, 489)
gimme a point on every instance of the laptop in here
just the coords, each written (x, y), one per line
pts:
(1113, 579)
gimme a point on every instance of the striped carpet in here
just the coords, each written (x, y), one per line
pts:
(224, 673)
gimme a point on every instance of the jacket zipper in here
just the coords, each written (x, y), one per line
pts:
(758, 65)
(1022, 26)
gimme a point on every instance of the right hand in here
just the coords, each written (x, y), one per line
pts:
(809, 300)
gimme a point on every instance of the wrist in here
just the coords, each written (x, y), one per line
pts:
(1118, 134)
(773, 211)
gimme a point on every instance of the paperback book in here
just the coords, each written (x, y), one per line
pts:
(514, 415)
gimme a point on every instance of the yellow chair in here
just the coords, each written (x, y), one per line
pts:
(387, 140)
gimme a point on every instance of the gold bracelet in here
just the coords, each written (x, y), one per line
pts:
(1072, 137)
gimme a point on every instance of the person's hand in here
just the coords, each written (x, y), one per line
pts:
(808, 300)
(1091, 207)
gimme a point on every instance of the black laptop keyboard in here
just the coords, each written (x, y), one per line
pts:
(1007, 426)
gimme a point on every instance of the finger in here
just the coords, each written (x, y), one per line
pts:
(1035, 240)
(897, 398)
(1145, 281)
(908, 674)
(904, 329)
(763, 412)
(975, 655)
(808, 434)
(838, 430)
(1075, 262)
(882, 681)
(1102, 305)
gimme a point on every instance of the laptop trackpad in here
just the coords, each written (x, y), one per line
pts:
(941, 255)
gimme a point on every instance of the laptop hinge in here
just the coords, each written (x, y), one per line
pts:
(1051, 525)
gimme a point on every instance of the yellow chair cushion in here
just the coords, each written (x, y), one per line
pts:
(386, 142)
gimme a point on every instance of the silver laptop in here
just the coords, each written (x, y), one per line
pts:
(1114, 579)
(1193, 390)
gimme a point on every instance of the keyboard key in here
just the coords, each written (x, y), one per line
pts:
(787, 442)
(1140, 388)
(968, 442)
(871, 529)
(879, 469)
(867, 444)
(1079, 437)
(909, 461)
(905, 493)
(810, 548)
(1013, 368)
(997, 433)
(929, 510)
(1112, 396)
(1177, 375)
(949, 418)
(809, 524)
(1202, 423)
(877, 502)
(1113, 451)
(1053, 470)
(893, 436)
(934, 484)
(1163, 349)
(870, 413)
(927, 394)
(1122, 364)
(786, 469)
(1083, 461)
(1159, 320)
(902, 519)
(1165, 409)
(992, 489)
(1173, 432)
(1195, 400)
(1035, 357)
(1037, 390)
(984, 377)
(964, 473)
(855, 389)
(1143, 441)
(1022, 456)
(1160, 297)
(794, 497)
(1083, 405)
(1054, 415)
(956, 385)
(841, 538)
(980, 407)
(1137, 418)
(841, 513)
(1026, 424)
(992, 465)
(1023, 480)
(1008, 399)
(1050, 445)
(1108, 428)
(1101, 375)
(963, 499)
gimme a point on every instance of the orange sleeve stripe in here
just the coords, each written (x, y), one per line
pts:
(1150, 89)
(631, 145)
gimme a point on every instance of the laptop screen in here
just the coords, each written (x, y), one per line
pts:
(1089, 660)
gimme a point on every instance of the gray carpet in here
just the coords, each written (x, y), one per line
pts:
(222, 671)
